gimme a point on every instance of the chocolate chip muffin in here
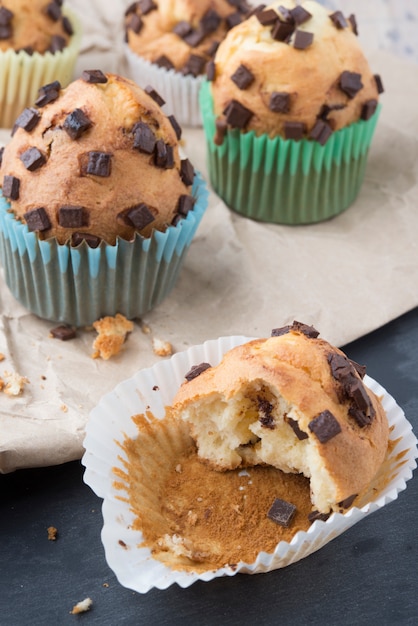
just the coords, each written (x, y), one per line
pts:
(95, 168)
(170, 44)
(38, 39)
(290, 86)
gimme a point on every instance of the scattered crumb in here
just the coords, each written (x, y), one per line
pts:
(106, 585)
(112, 335)
(64, 408)
(13, 383)
(161, 347)
(2, 357)
(82, 607)
(52, 533)
(145, 328)
(179, 468)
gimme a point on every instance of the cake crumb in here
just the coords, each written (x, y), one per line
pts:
(112, 333)
(2, 356)
(52, 533)
(82, 607)
(13, 383)
(64, 408)
(161, 347)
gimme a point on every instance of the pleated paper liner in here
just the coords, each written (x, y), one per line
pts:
(286, 181)
(78, 285)
(22, 74)
(181, 93)
(110, 425)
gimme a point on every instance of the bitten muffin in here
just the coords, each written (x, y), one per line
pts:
(292, 93)
(39, 39)
(169, 44)
(89, 167)
(293, 402)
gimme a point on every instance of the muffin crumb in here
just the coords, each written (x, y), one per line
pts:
(82, 607)
(161, 347)
(112, 334)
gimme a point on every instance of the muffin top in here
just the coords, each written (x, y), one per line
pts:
(34, 26)
(96, 161)
(292, 401)
(294, 70)
(181, 34)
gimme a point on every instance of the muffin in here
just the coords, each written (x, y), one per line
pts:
(168, 44)
(289, 111)
(95, 193)
(39, 42)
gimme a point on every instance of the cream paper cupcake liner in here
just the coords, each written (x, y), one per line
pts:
(152, 389)
(22, 74)
(181, 93)
(78, 285)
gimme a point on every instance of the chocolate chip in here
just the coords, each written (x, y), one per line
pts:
(185, 204)
(379, 84)
(48, 93)
(135, 23)
(293, 130)
(278, 332)
(76, 123)
(131, 8)
(265, 409)
(37, 220)
(347, 502)
(302, 39)
(316, 515)
(210, 70)
(340, 366)
(28, 119)
(146, 6)
(91, 240)
(1, 155)
(164, 61)
(182, 28)
(221, 128)
(195, 65)
(305, 329)
(353, 22)
(67, 26)
(368, 109)
(267, 18)
(233, 19)
(286, 14)
(32, 159)
(327, 108)
(174, 123)
(6, 16)
(338, 20)
(5, 32)
(279, 102)
(99, 164)
(195, 37)
(58, 43)
(350, 83)
(53, 10)
(325, 426)
(196, 370)
(255, 11)
(72, 216)
(186, 172)
(94, 76)
(210, 21)
(242, 77)
(282, 512)
(300, 434)
(237, 115)
(299, 15)
(144, 138)
(11, 186)
(63, 332)
(362, 418)
(139, 216)
(163, 155)
(321, 132)
(211, 51)
(154, 95)
(360, 369)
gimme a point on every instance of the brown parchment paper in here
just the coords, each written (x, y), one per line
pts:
(347, 277)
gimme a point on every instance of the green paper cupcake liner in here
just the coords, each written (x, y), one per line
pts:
(286, 181)
(78, 285)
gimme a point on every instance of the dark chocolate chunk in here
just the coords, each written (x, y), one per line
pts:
(279, 102)
(347, 502)
(5, 32)
(76, 123)
(368, 109)
(144, 138)
(300, 434)
(321, 132)
(210, 21)
(210, 70)
(302, 39)
(91, 240)
(195, 65)
(286, 14)
(325, 426)
(11, 186)
(338, 20)
(146, 6)
(135, 24)
(278, 332)
(233, 19)
(305, 329)
(32, 159)
(340, 366)
(1, 155)
(37, 220)
(360, 369)
(176, 126)
(211, 51)
(267, 18)
(255, 10)
(195, 37)
(359, 395)
(154, 95)
(28, 119)
(353, 22)
(58, 43)
(316, 515)
(99, 164)
(6, 16)
(185, 204)
(183, 28)
(221, 128)
(362, 418)
(28, 49)
(350, 83)
(299, 15)
(282, 512)
(53, 10)
(379, 84)
(237, 115)
(164, 61)
(139, 216)
(131, 8)
(67, 26)
(186, 172)
(293, 130)
(265, 409)
(242, 77)
(282, 31)
(196, 370)
(63, 332)
(94, 76)
(72, 216)
(163, 155)
(327, 108)
(48, 93)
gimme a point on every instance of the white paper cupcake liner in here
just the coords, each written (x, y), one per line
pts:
(153, 389)
(181, 93)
